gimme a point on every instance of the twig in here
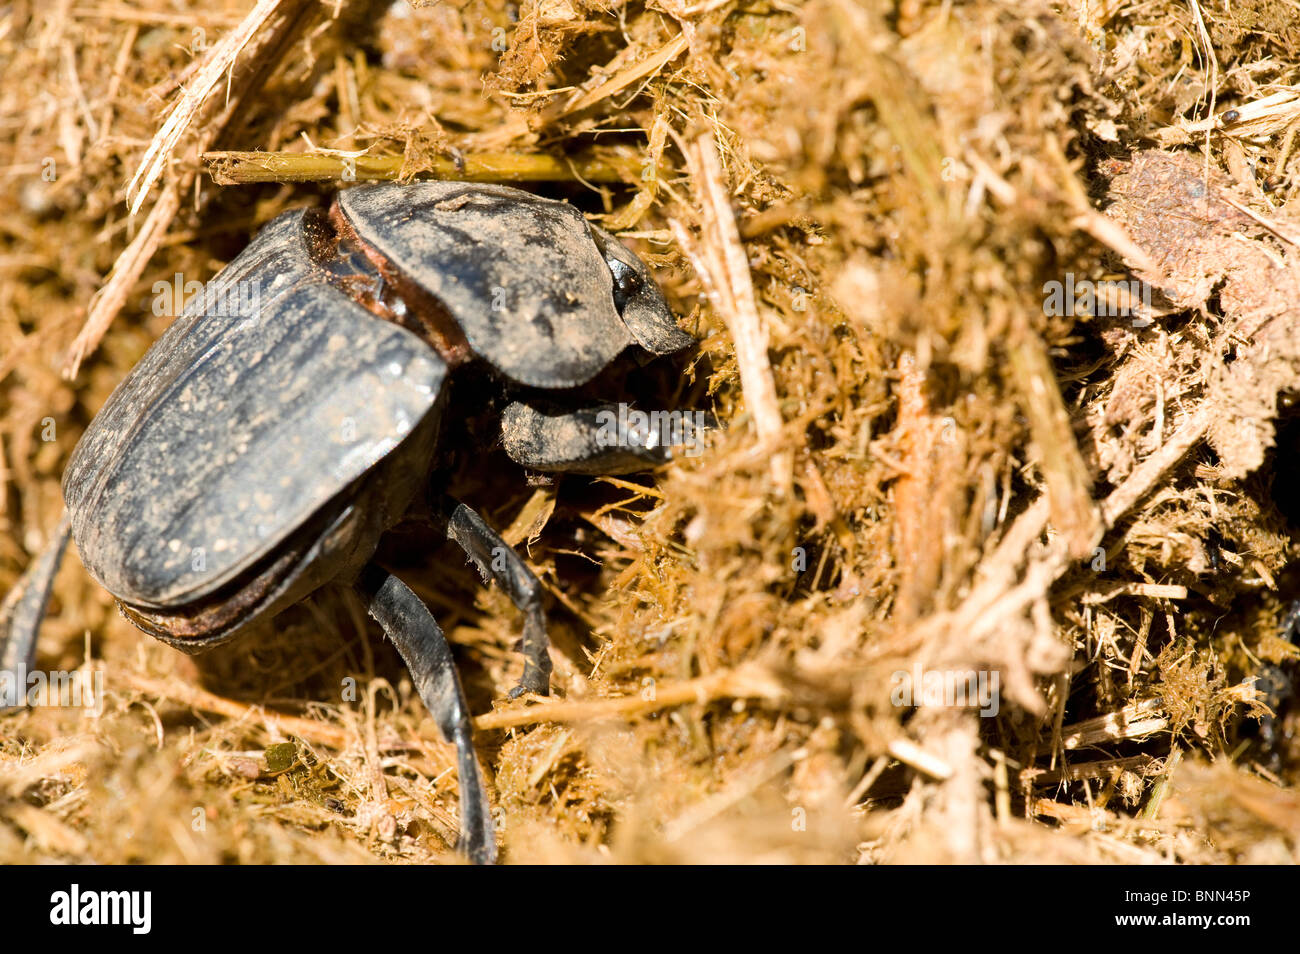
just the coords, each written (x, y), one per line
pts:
(920, 492)
(1138, 764)
(319, 733)
(745, 682)
(998, 597)
(236, 168)
(52, 833)
(1010, 552)
(125, 14)
(1260, 220)
(1139, 483)
(108, 301)
(1155, 591)
(720, 260)
(1152, 809)
(911, 754)
(1069, 488)
(1134, 721)
(1256, 119)
(737, 791)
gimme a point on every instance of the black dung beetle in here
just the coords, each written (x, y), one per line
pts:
(289, 418)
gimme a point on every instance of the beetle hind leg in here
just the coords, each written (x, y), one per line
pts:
(497, 560)
(423, 647)
(20, 618)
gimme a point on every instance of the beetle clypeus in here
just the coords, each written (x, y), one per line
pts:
(257, 454)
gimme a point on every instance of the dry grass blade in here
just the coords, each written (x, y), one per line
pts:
(276, 20)
(1069, 486)
(219, 63)
(1257, 118)
(720, 259)
(622, 79)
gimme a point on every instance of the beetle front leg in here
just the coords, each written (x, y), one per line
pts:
(423, 647)
(601, 439)
(497, 560)
(21, 614)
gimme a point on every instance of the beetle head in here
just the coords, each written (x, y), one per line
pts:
(638, 299)
(626, 283)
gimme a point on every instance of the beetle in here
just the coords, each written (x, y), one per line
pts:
(290, 416)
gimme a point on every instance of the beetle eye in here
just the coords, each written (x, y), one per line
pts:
(626, 282)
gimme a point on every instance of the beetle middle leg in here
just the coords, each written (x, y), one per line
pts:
(497, 560)
(423, 647)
